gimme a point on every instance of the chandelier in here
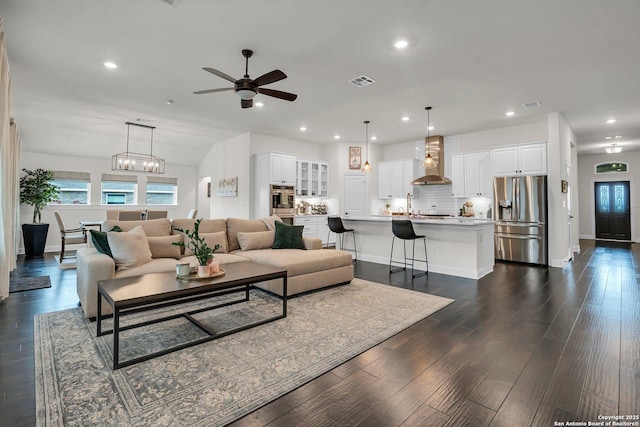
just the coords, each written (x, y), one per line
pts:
(136, 162)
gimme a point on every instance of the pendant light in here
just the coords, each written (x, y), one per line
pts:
(428, 160)
(367, 165)
(136, 162)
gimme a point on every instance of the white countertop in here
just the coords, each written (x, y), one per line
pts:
(444, 221)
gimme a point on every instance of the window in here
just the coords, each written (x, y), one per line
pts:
(119, 189)
(611, 167)
(74, 187)
(162, 191)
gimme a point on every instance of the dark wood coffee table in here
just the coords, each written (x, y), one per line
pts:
(150, 291)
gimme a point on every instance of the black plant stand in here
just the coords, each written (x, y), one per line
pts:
(35, 239)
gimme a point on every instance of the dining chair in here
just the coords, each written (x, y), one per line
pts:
(71, 236)
(129, 215)
(157, 214)
(192, 214)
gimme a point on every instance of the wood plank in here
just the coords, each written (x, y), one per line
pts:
(471, 414)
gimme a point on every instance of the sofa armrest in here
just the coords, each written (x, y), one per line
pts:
(92, 266)
(312, 243)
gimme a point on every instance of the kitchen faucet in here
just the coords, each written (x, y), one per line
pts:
(409, 204)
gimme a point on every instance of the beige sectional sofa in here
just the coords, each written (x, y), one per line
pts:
(307, 270)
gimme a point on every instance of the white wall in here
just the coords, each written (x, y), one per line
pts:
(73, 214)
(486, 139)
(587, 177)
(227, 159)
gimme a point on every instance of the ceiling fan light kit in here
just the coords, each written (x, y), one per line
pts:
(247, 88)
(613, 149)
(136, 162)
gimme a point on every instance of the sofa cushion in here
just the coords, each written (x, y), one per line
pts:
(129, 249)
(211, 239)
(299, 262)
(151, 227)
(256, 240)
(236, 225)
(168, 265)
(288, 236)
(206, 225)
(163, 247)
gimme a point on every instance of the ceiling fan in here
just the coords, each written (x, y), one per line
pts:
(246, 88)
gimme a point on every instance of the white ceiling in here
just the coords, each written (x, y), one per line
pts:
(471, 60)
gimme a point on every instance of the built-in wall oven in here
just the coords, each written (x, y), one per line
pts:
(283, 202)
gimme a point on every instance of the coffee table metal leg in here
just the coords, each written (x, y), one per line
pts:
(284, 296)
(116, 338)
(99, 316)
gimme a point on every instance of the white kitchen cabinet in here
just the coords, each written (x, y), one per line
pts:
(527, 159)
(394, 178)
(312, 178)
(478, 178)
(315, 226)
(282, 169)
(457, 175)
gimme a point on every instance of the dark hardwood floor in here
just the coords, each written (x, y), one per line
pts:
(522, 346)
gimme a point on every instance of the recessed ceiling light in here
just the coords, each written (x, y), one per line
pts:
(510, 113)
(336, 136)
(169, 101)
(303, 128)
(373, 138)
(111, 65)
(405, 119)
(259, 104)
(400, 44)
(610, 121)
(430, 127)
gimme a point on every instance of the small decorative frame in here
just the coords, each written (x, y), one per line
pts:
(355, 156)
(565, 186)
(228, 187)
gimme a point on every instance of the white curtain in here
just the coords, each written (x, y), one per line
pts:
(9, 177)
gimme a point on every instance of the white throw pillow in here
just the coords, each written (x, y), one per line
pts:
(256, 240)
(130, 248)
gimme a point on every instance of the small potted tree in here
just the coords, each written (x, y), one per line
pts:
(37, 190)
(200, 249)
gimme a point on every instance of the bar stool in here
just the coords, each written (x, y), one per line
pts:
(335, 225)
(403, 229)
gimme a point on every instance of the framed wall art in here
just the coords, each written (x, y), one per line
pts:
(228, 187)
(355, 156)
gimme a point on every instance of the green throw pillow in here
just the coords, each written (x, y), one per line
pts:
(99, 239)
(288, 236)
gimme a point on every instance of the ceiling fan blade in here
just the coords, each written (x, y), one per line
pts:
(278, 94)
(224, 89)
(246, 103)
(220, 74)
(272, 77)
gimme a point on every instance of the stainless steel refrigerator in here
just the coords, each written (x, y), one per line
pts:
(520, 207)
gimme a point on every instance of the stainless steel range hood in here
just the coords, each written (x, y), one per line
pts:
(434, 175)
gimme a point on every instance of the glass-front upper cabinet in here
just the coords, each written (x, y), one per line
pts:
(312, 179)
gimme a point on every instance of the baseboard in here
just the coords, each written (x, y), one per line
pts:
(586, 236)
(435, 268)
(560, 263)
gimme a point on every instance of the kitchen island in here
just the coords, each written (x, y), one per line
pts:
(456, 246)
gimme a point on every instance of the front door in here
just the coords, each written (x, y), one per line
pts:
(613, 217)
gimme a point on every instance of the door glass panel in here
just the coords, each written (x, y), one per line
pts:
(619, 202)
(604, 198)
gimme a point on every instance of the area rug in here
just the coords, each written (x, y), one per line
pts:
(215, 383)
(19, 284)
(67, 263)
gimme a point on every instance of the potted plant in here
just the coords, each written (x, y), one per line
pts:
(37, 190)
(200, 249)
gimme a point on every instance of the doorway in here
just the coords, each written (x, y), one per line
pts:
(613, 213)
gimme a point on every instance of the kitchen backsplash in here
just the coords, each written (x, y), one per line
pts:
(424, 197)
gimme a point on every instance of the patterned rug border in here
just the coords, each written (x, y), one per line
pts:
(50, 409)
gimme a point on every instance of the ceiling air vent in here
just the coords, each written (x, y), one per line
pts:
(173, 3)
(533, 104)
(362, 81)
